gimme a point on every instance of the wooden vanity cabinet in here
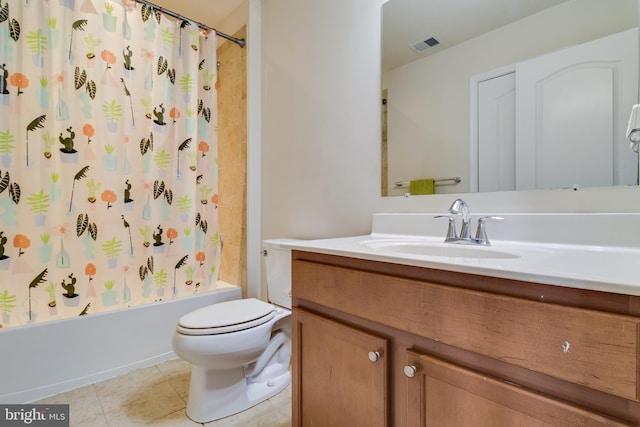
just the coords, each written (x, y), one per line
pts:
(385, 344)
(342, 377)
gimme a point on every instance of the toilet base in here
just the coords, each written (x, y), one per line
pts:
(215, 394)
(208, 405)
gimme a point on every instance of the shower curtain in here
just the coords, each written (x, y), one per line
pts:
(108, 158)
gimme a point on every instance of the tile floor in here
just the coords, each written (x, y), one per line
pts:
(157, 396)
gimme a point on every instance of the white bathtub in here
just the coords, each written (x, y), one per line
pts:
(37, 361)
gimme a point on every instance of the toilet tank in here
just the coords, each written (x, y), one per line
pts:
(278, 266)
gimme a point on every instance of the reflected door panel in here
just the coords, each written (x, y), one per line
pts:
(496, 134)
(557, 94)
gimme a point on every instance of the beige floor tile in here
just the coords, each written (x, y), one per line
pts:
(174, 366)
(156, 396)
(250, 417)
(178, 373)
(266, 414)
(138, 398)
(176, 419)
(283, 398)
(84, 407)
(281, 416)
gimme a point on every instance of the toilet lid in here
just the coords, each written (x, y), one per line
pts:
(228, 316)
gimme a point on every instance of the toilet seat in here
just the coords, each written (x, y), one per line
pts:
(226, 317)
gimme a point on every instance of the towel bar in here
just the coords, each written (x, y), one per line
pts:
(442, 181)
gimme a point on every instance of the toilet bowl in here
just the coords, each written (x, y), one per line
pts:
(239, 350)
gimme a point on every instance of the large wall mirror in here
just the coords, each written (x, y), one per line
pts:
(494, 95)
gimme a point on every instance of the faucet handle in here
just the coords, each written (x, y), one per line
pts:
(481, 232)
(452, 235)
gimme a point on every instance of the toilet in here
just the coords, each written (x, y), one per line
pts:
(240, 349)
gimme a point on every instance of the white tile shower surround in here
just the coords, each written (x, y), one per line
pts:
(157, 396)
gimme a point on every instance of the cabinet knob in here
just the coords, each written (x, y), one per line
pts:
(374, 356)
(410, 371)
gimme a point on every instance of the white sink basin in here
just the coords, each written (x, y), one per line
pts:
(449, 250)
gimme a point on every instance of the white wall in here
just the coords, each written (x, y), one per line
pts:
(320, 132)
(234, 21)
(227, 16)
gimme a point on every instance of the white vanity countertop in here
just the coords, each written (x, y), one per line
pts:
(600, 267)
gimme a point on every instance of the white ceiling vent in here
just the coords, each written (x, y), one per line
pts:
(424, 45)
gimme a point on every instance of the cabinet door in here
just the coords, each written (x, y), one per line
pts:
(340, 374)
(446, 395)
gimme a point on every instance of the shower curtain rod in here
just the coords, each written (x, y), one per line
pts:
(239, 42)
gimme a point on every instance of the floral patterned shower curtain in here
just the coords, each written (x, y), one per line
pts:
(108, 158)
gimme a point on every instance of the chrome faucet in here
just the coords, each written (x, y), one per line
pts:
(460, 207)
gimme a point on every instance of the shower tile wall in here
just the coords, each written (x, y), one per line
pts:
(232, 155)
